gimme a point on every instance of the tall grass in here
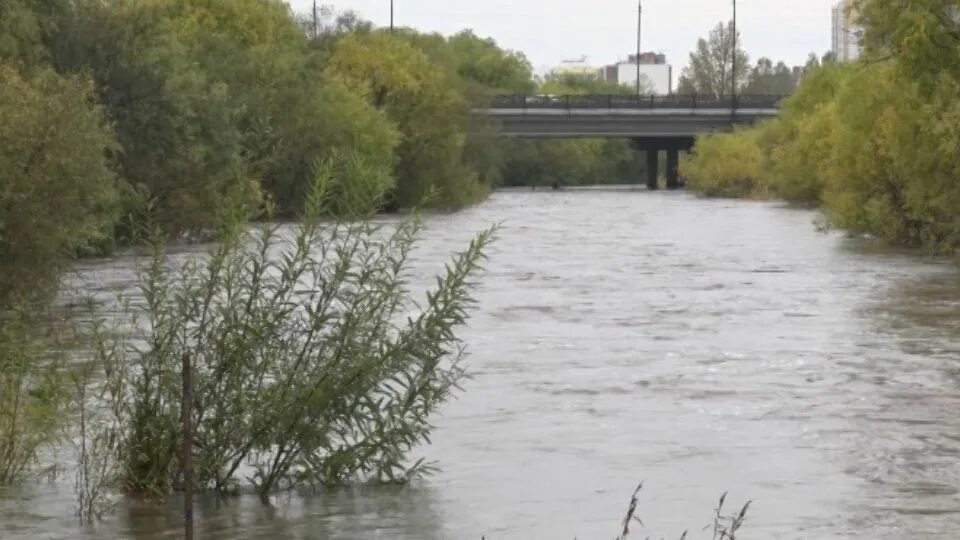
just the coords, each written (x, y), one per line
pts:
(34, 394)
(723, 527)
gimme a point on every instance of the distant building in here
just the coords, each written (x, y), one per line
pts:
(846, 32)
(653, 69)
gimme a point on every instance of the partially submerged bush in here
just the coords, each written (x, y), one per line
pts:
(726, 165)
(309, 367)
(33, 396)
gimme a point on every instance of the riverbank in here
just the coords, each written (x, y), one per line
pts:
(869, 145)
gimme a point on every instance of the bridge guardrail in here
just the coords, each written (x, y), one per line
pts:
(612, 101)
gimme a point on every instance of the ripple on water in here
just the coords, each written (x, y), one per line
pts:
(703, 346)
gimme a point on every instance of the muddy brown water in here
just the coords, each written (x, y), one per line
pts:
(701, 346)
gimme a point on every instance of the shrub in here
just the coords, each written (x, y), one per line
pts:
(308, 365)
(726, 165)
(33, 396)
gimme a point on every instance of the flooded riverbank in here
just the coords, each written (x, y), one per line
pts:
(620, 335)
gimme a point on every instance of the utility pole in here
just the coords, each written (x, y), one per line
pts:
(316, 25)
(391, 16)
(734, 83)
(639, 30)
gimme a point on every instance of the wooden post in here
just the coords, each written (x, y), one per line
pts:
(186, 408)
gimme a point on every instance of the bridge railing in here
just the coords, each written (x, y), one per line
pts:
(612, 101)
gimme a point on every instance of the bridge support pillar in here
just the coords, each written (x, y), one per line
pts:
(673, 166)
(653, 168)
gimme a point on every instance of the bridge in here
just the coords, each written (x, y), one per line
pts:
(652, 123)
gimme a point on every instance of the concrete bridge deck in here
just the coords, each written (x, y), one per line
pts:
(625, 116)
(652, 123)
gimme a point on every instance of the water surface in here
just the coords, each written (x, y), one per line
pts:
(620, 335)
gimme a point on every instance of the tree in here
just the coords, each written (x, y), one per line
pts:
(765, 79)
(923, 35)
(813, 62)
(424, 103)
(482, 62)
(57, 192)
(25, 26)
(726, 165)
(710, 71)
(175, 121)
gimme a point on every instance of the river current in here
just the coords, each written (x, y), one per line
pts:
(619, 336)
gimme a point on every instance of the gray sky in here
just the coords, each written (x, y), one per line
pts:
(549, 31)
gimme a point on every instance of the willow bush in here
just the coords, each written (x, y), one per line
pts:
(33, 395)
(312, 363)
(726, 165)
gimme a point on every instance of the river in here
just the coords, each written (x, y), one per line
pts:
(621, 335)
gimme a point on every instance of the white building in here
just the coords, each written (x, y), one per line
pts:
(657, 78)
(656, 74)
(846, 32)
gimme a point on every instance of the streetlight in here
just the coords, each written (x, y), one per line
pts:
(734, 84)
(639, 27)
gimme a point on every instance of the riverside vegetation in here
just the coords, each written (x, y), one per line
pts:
(138, 122)
(873, 143)
(135, 122)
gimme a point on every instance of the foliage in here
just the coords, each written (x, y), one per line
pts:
(710, 71)
(726, 165)
(174, 121)
(57, 192)
(309, 365)
(20, 34)
(922, 35)
(96, 440)
(33, 399)
(423, 102)
(767, 79)
(800, 142)
(483, 62)
(874, 143)
(576, 84)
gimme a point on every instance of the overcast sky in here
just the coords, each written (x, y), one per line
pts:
(550, 31)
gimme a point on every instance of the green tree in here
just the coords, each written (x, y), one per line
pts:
(726, 165)
(425, 105)
(800, 142)
(175, 122)
(710, 71)
(923, 35)
(289, 114)
(57, 193)
(24, 28)
(483, 62)
(767, 79)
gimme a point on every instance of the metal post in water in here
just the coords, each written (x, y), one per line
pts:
(186, 408)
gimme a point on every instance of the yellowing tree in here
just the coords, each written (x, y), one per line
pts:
(424, 103)
(57, 193)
